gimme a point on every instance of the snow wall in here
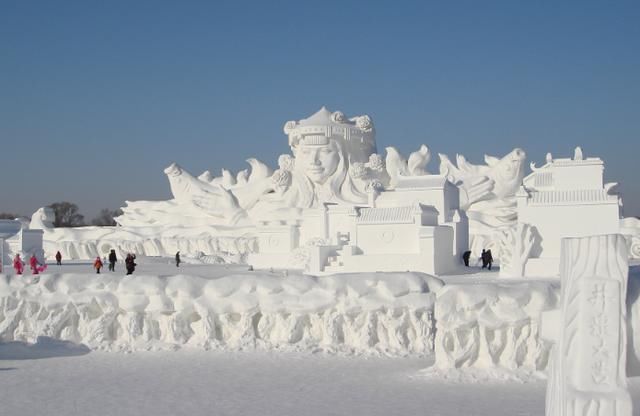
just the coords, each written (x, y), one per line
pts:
(380, 313)
(468, 325)
(493, 325)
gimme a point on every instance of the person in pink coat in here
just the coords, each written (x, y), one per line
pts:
(33, 262)
(18, 264)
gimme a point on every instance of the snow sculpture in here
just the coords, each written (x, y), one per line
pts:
(16, 238)
(8, 228)
(333, 188)
(487, 195)
(375, 216)
(333, 162)
(494, 327)
(588, 368)
(348, 313)
(397, 165)
(230, 243)
(516, 244)
(42, 219)
(565, 198)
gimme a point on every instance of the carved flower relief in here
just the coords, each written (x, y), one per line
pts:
(286, 162)
(281, 179)
(338, 117)
(376, 162)
(358, 170)
(289, 126)
(364, 123)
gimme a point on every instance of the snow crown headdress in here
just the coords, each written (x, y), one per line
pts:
(357, 134)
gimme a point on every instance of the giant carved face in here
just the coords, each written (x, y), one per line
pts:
(317, 162)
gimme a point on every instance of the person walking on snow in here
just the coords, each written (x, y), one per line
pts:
(33, 262)
(489, 259)
(112, 260)
(59, 258)
(178, 259)
(130, 263)
(98, 264)
(18, 264)
(465, 257)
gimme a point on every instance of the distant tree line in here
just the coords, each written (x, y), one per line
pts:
(67, 214)
(105, 217)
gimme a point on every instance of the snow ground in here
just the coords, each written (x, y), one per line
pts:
(151, 266)
(213, 383)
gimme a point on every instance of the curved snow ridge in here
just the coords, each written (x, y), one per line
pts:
(493, 325)
(389, 313)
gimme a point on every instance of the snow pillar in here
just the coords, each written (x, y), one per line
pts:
(587, 376)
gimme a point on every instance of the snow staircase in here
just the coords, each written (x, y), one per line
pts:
(335, 264)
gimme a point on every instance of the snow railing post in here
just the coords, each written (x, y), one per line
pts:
(587, 375)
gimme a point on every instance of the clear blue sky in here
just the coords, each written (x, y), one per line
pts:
(97, 98)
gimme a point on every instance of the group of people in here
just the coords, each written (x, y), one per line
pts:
(486, 257)
(36, 266)
(113, 259)
(98, 264)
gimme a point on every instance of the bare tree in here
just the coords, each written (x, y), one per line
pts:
(105, 217)
(66, 215)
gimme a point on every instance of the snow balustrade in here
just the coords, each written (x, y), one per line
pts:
(493, 324)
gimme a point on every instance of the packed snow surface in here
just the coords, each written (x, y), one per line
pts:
(54, 380)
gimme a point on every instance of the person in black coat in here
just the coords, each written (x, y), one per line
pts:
(465, 257)
(130, 263)
(489, 259)
(178, 259)
(112, 260)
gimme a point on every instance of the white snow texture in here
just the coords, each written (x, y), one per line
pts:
(380, 313)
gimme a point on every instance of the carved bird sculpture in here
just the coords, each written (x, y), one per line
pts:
(206, 176)
(396, 165)
(418, 161)
(258, 170)
(228, 179)
(242, 177)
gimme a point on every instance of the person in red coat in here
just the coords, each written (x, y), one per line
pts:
(98, 264)
(33, 262)
(18, 264)
(59, 259)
